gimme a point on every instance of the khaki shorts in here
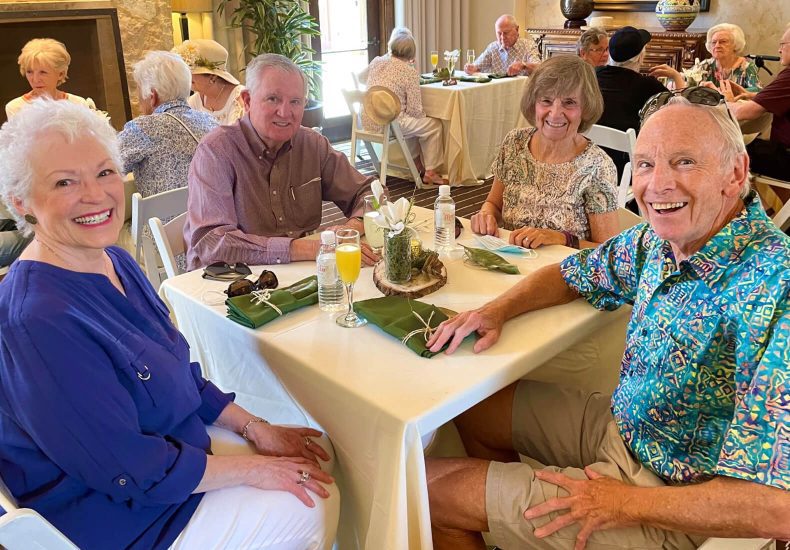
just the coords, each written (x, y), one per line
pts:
(566, 429)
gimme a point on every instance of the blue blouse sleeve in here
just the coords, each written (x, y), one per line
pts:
(212, 400)
(67, 396)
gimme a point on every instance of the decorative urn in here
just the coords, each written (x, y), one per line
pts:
(676, 15)
(576, 11)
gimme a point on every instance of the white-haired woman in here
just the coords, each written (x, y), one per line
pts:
(396, 72)
(158, 146)
(45, 64)
(727, 45)
(217, 92)
(104, 419)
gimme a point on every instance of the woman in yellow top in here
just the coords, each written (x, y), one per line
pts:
(45, 63)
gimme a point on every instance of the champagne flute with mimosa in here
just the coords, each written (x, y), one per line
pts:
(434, 59)
(348, 255)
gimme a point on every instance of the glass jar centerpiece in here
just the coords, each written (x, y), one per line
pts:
(394, 218)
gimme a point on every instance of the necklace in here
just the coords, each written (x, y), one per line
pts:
(213, 100)
(105, 258)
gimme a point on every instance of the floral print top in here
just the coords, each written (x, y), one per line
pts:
(745, 74)
(400, 77)
(496, 58)
(553, 196)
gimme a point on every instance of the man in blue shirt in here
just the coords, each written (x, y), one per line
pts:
(695, 441)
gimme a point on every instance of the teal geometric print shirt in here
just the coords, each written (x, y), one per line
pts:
(705, 379)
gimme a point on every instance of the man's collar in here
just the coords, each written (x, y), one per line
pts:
(255, 141)
(725, 247)
(502, 48)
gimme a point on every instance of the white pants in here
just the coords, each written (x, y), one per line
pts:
(428, 132)
(249, 518)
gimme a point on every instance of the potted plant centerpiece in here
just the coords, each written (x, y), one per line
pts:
(394, 218)
(282, 26)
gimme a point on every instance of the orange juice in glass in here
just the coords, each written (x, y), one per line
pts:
(434, 59)
(348, 256)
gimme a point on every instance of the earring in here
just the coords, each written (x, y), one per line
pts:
(31, 219)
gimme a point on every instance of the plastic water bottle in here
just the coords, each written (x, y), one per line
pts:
(330, 288)
(444, 222)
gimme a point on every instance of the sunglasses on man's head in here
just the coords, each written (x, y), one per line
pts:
(697, 95)
(222, 271)
(266, 280)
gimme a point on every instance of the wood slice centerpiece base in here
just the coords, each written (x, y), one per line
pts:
(421, 283)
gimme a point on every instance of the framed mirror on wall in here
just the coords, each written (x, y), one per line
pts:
(637, 5)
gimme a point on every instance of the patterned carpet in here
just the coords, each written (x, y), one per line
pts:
(467, 199)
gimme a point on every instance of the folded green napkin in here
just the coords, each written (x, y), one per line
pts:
(394, 316)
(430, 80)
(488, 260)
(246, 311)
(479, 79)
(500, 75)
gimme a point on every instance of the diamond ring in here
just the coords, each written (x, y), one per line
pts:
(307, 441)
(304, 478)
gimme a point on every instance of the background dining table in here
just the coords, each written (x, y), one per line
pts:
(375, 398)
(475, 119)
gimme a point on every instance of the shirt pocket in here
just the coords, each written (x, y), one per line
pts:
(160, 384)
(305, 204)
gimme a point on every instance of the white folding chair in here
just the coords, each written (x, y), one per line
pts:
(162, 205)
(391, 134)
(617, 140)
(169, 239)
(782, 217)
(26, 529)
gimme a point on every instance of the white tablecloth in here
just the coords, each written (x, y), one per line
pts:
(476, 117)
(373, 396)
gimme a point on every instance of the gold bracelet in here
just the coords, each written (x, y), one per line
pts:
(250, 423)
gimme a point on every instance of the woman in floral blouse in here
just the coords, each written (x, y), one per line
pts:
(551, 184)
(727, 44)
(394, 71)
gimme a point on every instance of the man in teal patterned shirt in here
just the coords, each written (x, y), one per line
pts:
(695, 441)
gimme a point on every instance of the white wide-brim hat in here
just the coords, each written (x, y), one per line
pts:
(381, 104)
(206, 57)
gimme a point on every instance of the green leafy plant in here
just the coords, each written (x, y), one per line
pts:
(279, 26)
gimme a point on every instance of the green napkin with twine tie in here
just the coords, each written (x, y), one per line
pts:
(404, 319)
(260, 307)
(478, 79)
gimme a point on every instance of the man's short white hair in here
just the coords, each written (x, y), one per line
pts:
(732, 145)
(634, 63)
(20, 139)
(257, 66)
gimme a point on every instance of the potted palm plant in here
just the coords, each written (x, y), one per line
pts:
(281, 26)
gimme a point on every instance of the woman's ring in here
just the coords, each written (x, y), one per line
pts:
(304, 478)
(307, 441)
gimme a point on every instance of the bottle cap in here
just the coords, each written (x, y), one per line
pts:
(444, 190)
(327, 237)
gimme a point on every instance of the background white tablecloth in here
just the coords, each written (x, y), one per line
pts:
(475, 117)
(373, 396)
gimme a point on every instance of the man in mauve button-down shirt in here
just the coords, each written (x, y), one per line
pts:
(256, 187)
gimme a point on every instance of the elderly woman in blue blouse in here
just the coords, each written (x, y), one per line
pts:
(103, 419)
(158, 146)
(726, 70)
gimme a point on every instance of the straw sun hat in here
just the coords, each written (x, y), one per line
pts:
(381, 105)
(206, 57)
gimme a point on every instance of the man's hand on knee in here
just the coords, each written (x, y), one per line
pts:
(595, 504)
